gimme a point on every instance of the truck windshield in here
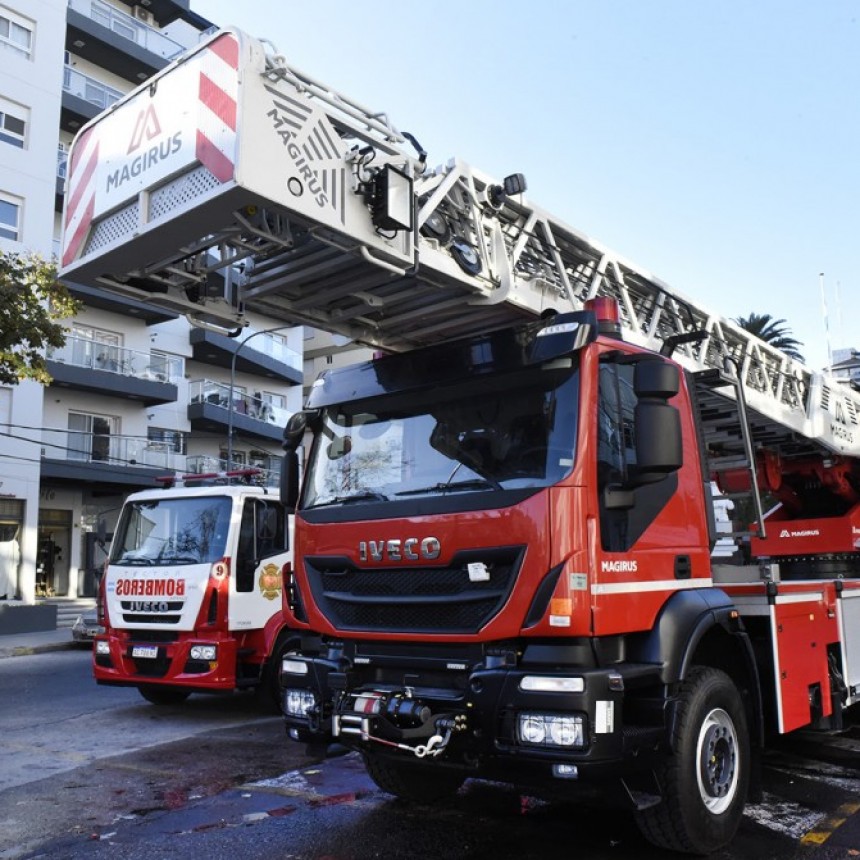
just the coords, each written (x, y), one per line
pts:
(172, 531)
(510, 431)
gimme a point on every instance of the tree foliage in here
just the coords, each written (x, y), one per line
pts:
(32, 303)
(775, 332)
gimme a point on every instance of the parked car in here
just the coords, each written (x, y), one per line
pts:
(86, 627)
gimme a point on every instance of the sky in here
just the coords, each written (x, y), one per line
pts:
(714, 143)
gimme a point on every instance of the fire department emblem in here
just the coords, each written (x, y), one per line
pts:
(270, 582)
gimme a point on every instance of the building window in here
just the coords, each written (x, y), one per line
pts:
(163, 366)
(62, 160)
(90, 436)
(16, 34)
(172, 440)
(13, 123)
(10, 217)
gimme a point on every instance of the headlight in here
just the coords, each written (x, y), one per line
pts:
(204, 652)
(102, 646)
(551, 730)
(298, 702)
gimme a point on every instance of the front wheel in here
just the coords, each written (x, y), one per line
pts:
(418, 782)
(163, 695)
(705, 779)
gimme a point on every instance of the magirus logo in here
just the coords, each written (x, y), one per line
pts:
(786, 533)
(618, 566)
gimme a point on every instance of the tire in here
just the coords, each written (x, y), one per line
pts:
(418, 783)
(163, 695)
(705, 780)
(268, 691)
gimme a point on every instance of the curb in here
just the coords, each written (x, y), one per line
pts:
(29, 650)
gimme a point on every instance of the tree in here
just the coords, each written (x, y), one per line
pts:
(32, 303)
(775, 332)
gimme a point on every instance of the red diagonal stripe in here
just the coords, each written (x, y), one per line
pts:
(219, 102)
(75, 242)
(210, 156)
(227, 48)
(80, 146)
(82, 181)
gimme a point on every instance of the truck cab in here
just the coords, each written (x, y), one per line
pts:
(504, 544)
(191, 593)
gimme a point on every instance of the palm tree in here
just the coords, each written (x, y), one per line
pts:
(775, 332)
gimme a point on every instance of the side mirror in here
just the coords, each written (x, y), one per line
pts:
(289, 489)
(658, 425)
(295, 430)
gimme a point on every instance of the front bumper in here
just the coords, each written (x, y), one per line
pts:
(471, 716)
(115, 662)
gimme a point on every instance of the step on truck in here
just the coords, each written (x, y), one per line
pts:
(504, 528)
(190, 598)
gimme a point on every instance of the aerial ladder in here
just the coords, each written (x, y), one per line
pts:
(230, 182)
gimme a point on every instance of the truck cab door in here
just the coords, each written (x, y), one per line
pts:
(261, 550)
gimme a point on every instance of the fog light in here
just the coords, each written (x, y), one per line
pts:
(102, 647)
(297, 703)
(565, 771)
(551, 730)
(204, 652)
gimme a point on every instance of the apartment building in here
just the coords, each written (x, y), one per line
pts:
(137, 392)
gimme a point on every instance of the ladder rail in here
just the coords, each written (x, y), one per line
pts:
(474, 260)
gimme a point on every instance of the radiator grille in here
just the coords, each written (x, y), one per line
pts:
(414, 599)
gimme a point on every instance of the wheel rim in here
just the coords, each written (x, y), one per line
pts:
(717, 757)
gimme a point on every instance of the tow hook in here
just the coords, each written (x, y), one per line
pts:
(436, 744)
(359, 724)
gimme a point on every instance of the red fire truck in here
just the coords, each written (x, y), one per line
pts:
(191, 593)
(503, 539)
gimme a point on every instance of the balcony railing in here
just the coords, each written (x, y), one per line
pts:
(83, 352)
(80, 447)
(200, 464)
(272, 347)
(252, 405)
(128, 27)
(89, 89)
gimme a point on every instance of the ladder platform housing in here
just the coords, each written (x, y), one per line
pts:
(230, 182)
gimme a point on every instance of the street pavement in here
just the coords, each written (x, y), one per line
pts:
(22, 644)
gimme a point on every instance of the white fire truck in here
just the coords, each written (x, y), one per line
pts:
(504, 533)
(190, 599)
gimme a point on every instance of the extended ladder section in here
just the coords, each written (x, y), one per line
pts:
(230, 182)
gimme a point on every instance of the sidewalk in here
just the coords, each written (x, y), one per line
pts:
(21, 644)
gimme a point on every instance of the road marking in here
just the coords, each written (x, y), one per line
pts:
(830, 824)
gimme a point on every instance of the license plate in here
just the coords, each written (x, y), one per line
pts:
(150, 652)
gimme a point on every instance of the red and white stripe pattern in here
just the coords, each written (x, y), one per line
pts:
(218, 93)
(81, 198)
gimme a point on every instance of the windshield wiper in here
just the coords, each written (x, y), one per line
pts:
(135, 560)
(456, 486)
(178, 558)
(366, 496)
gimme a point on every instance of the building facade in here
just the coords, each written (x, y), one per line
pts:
(137, 392)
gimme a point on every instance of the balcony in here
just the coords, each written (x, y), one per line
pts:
(202, 465)
(125, 462)
(121, 43)
(87, 365)
(105, 300)
(83, 98)
(210, 411)
(262, 356)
